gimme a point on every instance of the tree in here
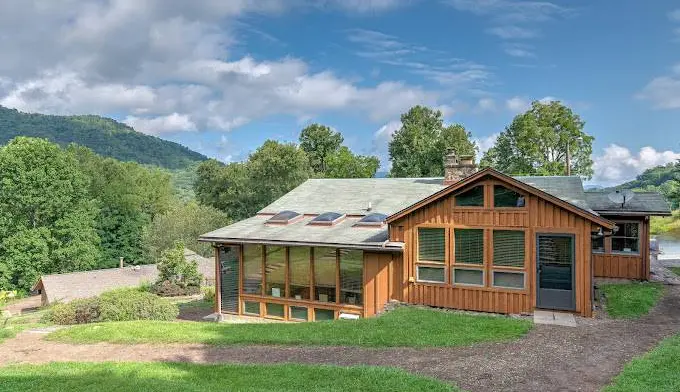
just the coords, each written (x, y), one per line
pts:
(344, 164)
(319, 141)
(417, 149)
(536, 143)
(175, 269)
(47, 217)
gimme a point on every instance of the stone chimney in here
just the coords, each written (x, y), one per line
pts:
(456, 168)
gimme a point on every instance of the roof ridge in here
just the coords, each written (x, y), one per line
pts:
(98, 270)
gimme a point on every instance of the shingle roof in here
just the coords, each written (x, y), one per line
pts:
(648, 203)
(569, 189)
(86, 284)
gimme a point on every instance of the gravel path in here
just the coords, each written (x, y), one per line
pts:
(549, 358)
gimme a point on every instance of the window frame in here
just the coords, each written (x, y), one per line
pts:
(493, 251)
(516, 272)
(446, 235)
(493, 186)
(435, 266)
(639, 239)
(604, 245)
(465, 268)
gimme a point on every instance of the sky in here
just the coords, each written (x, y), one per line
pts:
(222, 76)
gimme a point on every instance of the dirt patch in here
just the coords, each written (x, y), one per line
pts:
(24, 305)
(549, 358)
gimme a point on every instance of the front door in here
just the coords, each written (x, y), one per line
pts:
(555, 271)
(229, 276)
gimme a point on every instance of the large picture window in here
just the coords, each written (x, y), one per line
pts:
(298, 272)
(252, 269)
(432, 245)
(627, 238)
(469, 246)
(324, 274)
(275, 271)
(473, 197)
(508, 248)
(351, 276)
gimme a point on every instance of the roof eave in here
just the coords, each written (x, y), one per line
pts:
(386, 246)
(645, 213)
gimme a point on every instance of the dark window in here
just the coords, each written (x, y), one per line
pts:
(351, 276)
(298, 274)
(504, 197)
(275, 310)
(430, 274)
(298, 312)
(324, 274)
(468, 276)
(469, 246)
(284, 217)
(510, 280)
(627, 238)
(275, 271)
(374, 219)
(251, 308)
(323, 314)
(598, 243)
(508, 248)
(327, 218)
(252, 269)
(431, 244)
(471, 198)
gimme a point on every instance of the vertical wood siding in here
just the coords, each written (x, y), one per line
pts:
(616, 265)
(382, 281)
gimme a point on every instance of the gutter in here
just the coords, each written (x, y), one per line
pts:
(634, 213)
(386, 246)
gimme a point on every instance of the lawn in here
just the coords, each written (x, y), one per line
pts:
(169, 377)
(675, 270)
(631, 300)
(658, 370)
(403, 327)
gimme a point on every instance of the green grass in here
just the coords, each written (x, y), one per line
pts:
(658, 370)
(6, 333)
(403, 327)
(631, 300)
(666, 224)
(675, 270)
(170, 377)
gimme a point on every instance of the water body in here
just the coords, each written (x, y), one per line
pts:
(669, 244)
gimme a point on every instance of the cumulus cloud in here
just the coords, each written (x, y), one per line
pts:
(618, 164)
(517, 104)
(485, 143)
(174, 122)
(664, 91)
(381, 139)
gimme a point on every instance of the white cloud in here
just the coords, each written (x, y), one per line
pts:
(512, 32)
(368, 6)
(674, 15)
(485, 105)
(519, 50)
(618, 164)
(663, 91)
(485, 143)
(174, 122)
(517, 104)
(381, 139)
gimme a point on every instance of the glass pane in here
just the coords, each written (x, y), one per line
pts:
(555, 262)
(283, 217)
(598, 244)
(324, 274)
(508, 279)
(351, 276)
(504, 197)
(468, 276)
(275, 310)
(252, 269)
(431, 244)
(298, 264)
(275, 271)
(251, 307)
(508, 248)
(229, 266)
(298, 313)
(626, 238)
(431, 274)
(469, 246)
(324, 314)
(471, 198)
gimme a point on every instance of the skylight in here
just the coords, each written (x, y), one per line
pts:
(373, 219)
(327, 218)
(284, 217)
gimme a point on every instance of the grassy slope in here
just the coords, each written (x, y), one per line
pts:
(658, 370)
(169, 377)
(631, 300)
(404, 327)
(666, 224)
(675, 270)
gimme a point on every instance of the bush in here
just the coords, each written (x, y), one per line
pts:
(132, 304)
(167, 288)
(209, 293)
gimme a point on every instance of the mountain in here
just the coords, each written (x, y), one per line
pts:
(103, 135)
(654, 177)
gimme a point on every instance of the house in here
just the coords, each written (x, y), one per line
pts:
(85, 284)
(473, 240)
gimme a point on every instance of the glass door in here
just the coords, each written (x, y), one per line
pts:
(229, 278)
(555, 271)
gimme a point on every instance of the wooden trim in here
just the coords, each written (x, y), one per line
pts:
(218, 281)
(296, 302)
(337, 276)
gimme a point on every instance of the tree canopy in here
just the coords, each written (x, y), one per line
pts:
(417, 149)
(319, 141)
(537, 141)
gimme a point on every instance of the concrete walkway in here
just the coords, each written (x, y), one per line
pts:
(549, 358)
(554, 318)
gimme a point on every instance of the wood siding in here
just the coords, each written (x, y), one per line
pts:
(537, 217)
(382, 281)
(624, 266)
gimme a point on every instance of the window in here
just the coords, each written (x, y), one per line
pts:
(509, 280)
(504, 197)
(298, 272)
(351, 276)
(324, 314)
(250, 307)
(327, 218)
(252, 269)
(626, 239)
(285, 217)
(508, 248)
(432, 244)
(275, 271)
(275, 310)
(297, 313)
(469, 246)
(324, 274)
(430, 274)
(468, 276)
(473, 197)
(597, 244)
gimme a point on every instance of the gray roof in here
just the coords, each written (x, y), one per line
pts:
(569, 189)
(646, 203)
(86, 284)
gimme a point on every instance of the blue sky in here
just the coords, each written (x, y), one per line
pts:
(222, 77)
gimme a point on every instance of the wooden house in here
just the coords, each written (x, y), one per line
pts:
(473, 240)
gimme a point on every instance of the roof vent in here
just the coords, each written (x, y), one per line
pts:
(327, 218)
(621, 196)
(374, 219)
(284, 217)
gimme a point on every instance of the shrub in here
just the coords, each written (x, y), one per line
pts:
(176, 275)
(167, 288)
(146, 287)
(132, 304)
(209, 293)
(79, 311)
(63, 314)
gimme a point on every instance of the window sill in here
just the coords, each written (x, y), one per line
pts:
(509, 288)
(625, 253)
(430, 282)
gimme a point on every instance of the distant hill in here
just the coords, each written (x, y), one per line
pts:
(103, 135)
(657, 179)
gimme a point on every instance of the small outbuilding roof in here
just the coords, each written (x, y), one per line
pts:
(642, 203)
